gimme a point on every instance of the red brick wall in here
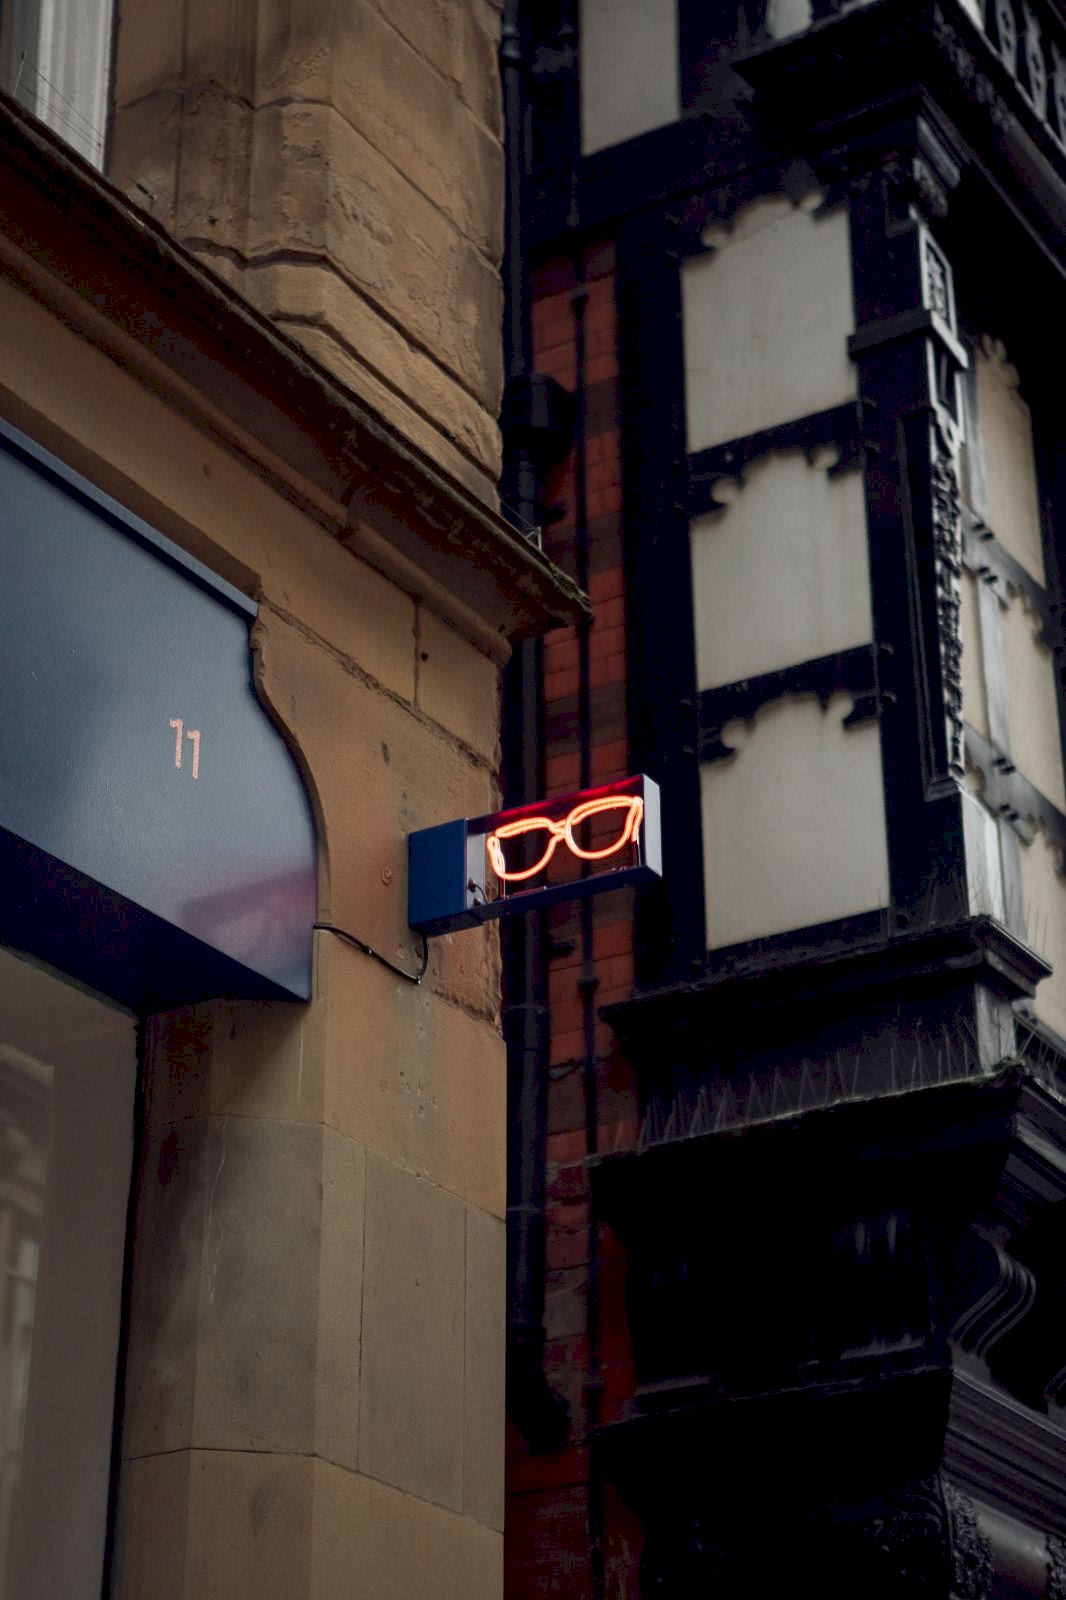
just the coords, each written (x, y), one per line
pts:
(552, 1505)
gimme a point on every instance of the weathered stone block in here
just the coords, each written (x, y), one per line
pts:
(149, 50)
(411, 1416)
(414, 1077)
(351, 337)
(318, 185)
(144, 157)
(400, 1547)
(340, 1300)
(251, 1519)
(486, 1257)
(295, 49)
(413, 113)
(465, 967)
(458, 686)
(378, 771)
(222, 1352)
(264, 1061)
(461, 41)
(152, 1529)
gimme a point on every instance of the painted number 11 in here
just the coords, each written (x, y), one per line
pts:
(180, 735)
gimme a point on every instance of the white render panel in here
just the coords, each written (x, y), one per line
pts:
(782, 575)
(974, 694)
(1045, 922)
(1008, 461)
(786, 17)
(1032, 702)
(794, 823)
(766, 318)
(630, 69)
(984, 865)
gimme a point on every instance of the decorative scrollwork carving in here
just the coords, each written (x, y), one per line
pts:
(907, 1550)
(947, 555)
(1056, 1567)
(966, 69)
(1007, 29)
(937, 283)
(916, 181)
(1057, 97)
(971, 1553)
(1033, 56)
(850, 672)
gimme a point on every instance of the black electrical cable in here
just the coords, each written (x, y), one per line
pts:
(368, 950)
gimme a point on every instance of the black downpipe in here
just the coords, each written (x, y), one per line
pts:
(588, 981)
(539, 1413)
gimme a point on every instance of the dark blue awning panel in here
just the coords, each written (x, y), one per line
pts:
(154, 832)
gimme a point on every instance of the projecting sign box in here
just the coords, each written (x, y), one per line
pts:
(467, 872)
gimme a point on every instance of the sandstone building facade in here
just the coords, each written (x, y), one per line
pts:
(250, 379)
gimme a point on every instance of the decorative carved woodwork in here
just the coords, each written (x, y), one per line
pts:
(1003, 573)
(844, 1296)
(840, 426)
(1009, 794)
(849, 672)
(971, 1553)
(1056, 1567)
(947, 556)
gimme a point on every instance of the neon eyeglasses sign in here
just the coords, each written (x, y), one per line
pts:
(563, 832)
(467, 872)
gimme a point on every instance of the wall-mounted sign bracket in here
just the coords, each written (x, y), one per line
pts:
(467, 872)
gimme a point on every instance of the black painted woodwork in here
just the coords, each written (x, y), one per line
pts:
(661, 683)
(840, 426)
(891, 1238)
(848, 672)
(845, 1213)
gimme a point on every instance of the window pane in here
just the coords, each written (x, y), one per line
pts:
(55, 58)
(67, 1072)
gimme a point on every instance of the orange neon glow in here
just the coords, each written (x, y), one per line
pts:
(556, 831)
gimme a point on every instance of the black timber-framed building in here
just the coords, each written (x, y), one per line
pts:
(838, 237)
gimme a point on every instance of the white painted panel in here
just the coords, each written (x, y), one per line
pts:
(974, 9)
(794, 823)
(782, 575)
(630, 69)
(1032, 701)
(55, 59)
(1008, 479)
(1045, 918)
(974, 694)
(786, 17)
(766, 317)
(984, 868)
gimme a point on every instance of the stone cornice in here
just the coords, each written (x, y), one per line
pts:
(112, 274)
